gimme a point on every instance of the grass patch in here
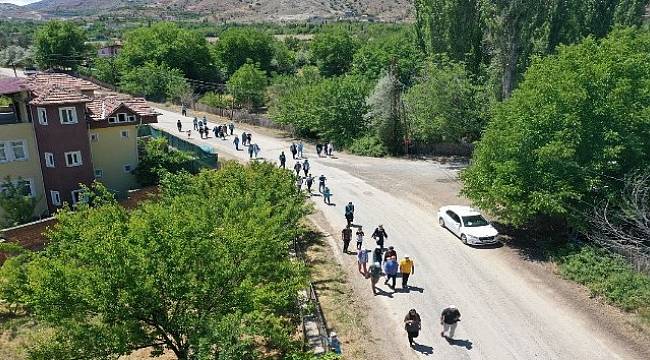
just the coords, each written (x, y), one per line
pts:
(608, 276)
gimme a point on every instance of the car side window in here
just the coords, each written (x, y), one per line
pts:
(453, 216)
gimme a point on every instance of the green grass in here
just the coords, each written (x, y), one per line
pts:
(608, 276)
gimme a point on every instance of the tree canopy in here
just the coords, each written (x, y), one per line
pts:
(247, 85)
(238, 46)
(333, 50)
(575, 126)
(203, 270)
(60, 45)
(157, 82)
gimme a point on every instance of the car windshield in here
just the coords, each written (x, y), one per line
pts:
(475, 221)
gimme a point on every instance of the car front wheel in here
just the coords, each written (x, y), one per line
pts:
(441, 221)
(463, 238)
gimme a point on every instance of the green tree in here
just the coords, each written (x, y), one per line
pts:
(157, 82)
(446, 106)
(60, 45)
(14, 56)
(107, 69)
(386, 112)
(171, 276)
(576, 125)
(167, 44)
(16, 201)
(239, 46)
(247, 86)
(333, 51)
(157, 159)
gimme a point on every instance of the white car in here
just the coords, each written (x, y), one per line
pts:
(468, 224)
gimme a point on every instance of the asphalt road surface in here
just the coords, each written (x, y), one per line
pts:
(505, 315)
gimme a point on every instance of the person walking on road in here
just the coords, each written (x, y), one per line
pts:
(299, 182)
(390, 253)
(301, 148)
(360, 235)
(249, 137)
(321, 183)
(256, 150)
(449, 318)
(243, 139)
(196, 123)
(236, 142)
(319, 149)
(306, 166)
(184, 110)
(330, 148)
(309, 180)
(205, 120)
(412, 325)
(346, 236)
(380, 235)
(375, 275)
(407, 268)
(376, 255)
(297, 168)
(327, 196)
(390, 268)
(250, 152)
(231, 126)
(283, 160)
(294, 150)
(362, 261)
(189, 134)
(349, 213)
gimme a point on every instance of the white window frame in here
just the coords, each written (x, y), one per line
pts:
(130, 168)
(42, 115)
(73, 164)
(76, 196)
(68, 111)
(94, 137)
(124, 134)
(12, 156)
(99, 173)
(55, 196)
(126, 119)
(112, 120)
(49, 160)
(30, 182)
(130, 118)
(4, 148)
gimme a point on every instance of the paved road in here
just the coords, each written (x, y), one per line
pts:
(504, 315)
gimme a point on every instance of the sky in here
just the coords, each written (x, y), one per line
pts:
(19, 2)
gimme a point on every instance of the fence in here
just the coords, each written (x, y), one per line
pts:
(206, 156)
(243, 116)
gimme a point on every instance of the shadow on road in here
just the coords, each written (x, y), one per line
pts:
(423, 349)
(385, 293)
(463, 343)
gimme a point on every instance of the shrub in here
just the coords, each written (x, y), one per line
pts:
(216, 100)
(368, 146)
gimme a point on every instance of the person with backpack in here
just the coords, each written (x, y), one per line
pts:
(283, 160)
(390, 268)
(293, 150)
(236, 142)
(449, 319)
(376, 255)
(412, 325)
(349, 213)
(379, 235)
(321, 183)
(249, 137)
(360, 235)
(297, 168)
(306, 166)
(309, 180)
(375, 275)
(299, 182)
(244, 137)
(327, 196)
(346, 236)
(179, 126)
(362, 261)
(256, 150)
(407, 268)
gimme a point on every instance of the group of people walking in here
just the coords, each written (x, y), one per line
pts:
(201, 125)
(303, 165)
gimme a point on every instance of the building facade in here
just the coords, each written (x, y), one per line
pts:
(59, 133)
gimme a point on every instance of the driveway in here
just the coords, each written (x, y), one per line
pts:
(507, 312)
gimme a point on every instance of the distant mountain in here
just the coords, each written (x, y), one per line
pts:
(11, 11)
(230, 10)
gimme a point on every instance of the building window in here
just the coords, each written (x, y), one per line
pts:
(77, 196)
(127, 168)
(99, 173)
(49, 160)
(73, 158)
(131, 118)
(19, 150)
(68, 115)
(94, 137)
(124, 134)
(112, 120)
(25, 186)
(56, 197)
(4, 156)
(42, 116)
(121, 117)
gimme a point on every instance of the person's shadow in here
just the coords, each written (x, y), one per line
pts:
(423, 349)
(382, 292)
(415, 288)
(458, 342)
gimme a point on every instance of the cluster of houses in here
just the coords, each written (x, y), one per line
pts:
(58, 131)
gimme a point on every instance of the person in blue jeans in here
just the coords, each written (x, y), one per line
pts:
(327, 196)
(391, 268)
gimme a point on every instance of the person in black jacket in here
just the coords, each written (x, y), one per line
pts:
(283, 160)
(412, 325)
(376, 255)
(380, 235)
(449, 319)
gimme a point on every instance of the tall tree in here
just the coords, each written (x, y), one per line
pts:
(15, 56)
(333, 51)
(16, 201)
(238, 46)
(386, 112)
(60, 45)
(247, 86)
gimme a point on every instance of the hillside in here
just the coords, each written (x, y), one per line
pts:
(228, 10)
(11, 11)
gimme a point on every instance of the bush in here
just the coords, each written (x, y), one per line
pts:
(216, 100)
(158, 158)
(607, 275)
(368, 146)
(157, 82)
